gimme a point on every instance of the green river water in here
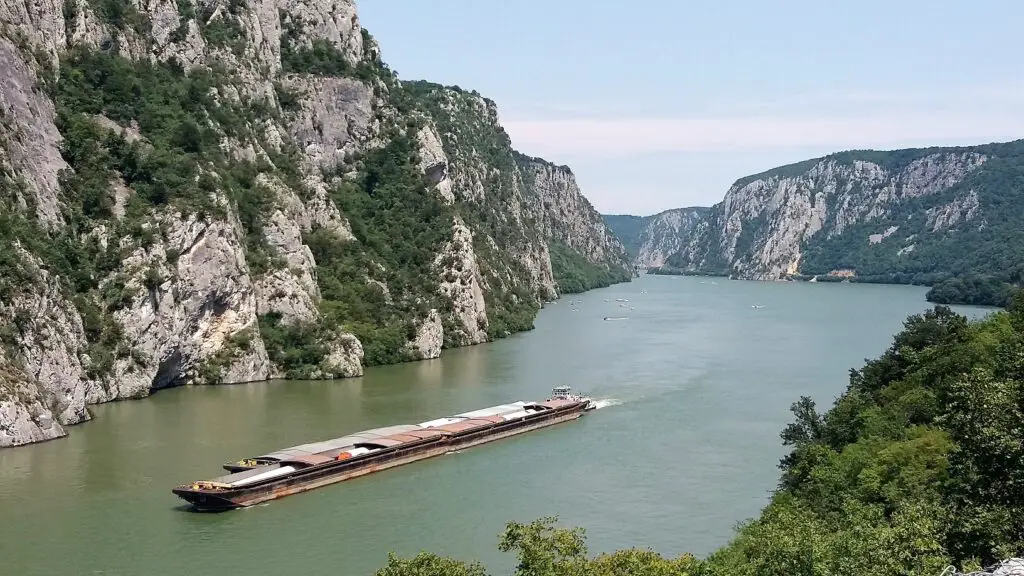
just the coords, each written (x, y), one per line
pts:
(700, 382)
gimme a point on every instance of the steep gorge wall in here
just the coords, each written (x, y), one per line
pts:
(231, 191)
(915, 215)
(565, 216)
(652, 239)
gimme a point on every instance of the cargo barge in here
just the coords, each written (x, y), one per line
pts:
(299, 468)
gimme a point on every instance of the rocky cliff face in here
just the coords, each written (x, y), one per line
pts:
(665, 233)
(652, 239)
(527, 205)
(902, 216)
(565, 216)
(227, 191)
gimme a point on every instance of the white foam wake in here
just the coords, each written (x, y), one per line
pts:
(605, 402)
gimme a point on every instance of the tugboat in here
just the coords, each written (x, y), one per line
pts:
(565, 393)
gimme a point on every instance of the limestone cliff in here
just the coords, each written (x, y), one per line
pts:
(915, 215)
(230, 191)
(528, 205)
(565, 216)
(652, 239)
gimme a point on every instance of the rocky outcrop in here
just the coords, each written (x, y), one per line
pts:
(334, 22)
(289, 290)
(665, 233)
(47, 341)
(183, 313)
(531, 205)
(462, 285)
(170, 241)
(963, 208)
(25, 415)
(335, 118)
(344, 357)
(429, 337)
(565, 216)
(434, 162)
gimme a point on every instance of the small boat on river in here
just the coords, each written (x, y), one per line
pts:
(299, 468)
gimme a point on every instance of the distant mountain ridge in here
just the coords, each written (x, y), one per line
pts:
(650, 240)
(922, 215)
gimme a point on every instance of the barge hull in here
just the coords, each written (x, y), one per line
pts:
(243, 497)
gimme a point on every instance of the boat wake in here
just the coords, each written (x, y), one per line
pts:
(606, 402)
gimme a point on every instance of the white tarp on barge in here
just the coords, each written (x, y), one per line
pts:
(338, 443)
(494, 410)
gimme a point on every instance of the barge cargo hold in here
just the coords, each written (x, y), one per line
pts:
(308, 466)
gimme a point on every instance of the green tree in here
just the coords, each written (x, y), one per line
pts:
(426, 564)
(543, 550)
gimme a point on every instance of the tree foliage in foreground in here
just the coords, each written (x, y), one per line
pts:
(542, 549)
(918, 465)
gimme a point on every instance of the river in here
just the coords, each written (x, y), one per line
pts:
(701, 374)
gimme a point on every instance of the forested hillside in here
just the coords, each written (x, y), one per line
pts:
(627, 228)
(916, 466)
(226, 191)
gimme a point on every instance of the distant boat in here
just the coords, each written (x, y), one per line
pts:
(616, 317)
(622, 299)
(756, 306)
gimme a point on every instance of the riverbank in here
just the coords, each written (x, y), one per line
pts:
(988, 291)
(605, 282)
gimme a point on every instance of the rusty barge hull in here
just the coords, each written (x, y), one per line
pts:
(334, 471)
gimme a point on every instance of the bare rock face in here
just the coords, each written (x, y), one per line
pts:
(32, 142)
(186, 312)
(434, 162)
(336, 117)
(429, 337)
(290, 290)
(345, 357)
(24, 415)
(962, 209)
(49, 343)
(665, 234)
(536, 259)
(461, 283)
(335, 21)
(566, 216)
(39, 24)
(320, 212)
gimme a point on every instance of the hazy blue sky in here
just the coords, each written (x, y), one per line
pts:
(658, 104)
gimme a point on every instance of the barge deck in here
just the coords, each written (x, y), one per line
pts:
(305, 467)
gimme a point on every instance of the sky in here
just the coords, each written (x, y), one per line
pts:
(659, 104)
